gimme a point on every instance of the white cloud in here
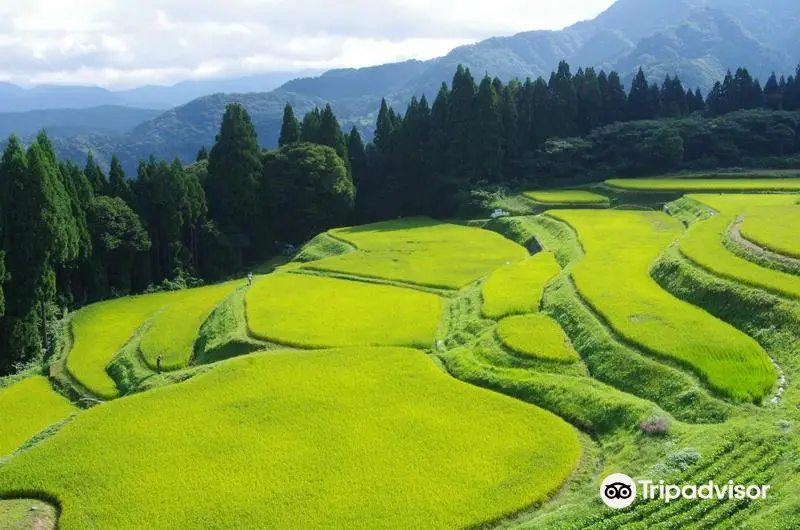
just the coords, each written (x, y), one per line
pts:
(123, 43)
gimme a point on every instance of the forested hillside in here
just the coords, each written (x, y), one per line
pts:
(697, 40)
(70, 236)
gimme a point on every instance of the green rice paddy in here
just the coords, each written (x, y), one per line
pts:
(566, 197)
(356, 438)
(614, 279)
(28, 407)
(421, 251)
(314, 312)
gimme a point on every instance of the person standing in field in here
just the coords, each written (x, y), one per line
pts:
(158, 364)
(249, 278)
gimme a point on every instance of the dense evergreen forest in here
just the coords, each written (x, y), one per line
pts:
(74, 235)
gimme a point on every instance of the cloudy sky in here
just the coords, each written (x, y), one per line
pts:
(122, 43)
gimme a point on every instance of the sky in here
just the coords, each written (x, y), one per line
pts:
(124, 43)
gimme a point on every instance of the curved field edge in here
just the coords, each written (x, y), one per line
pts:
(704, 244)
(537, 336)
(286, 309)
(28, 513)
(174, 330)
(775, 229)
(30, 406)
(774, 322)
(502, 455)
(100, 331)
(433, 254)
(566, 197)
(726, 375)
(695, 184)
(691, 211)
(608, 358)
(516, 289)
(735, 242)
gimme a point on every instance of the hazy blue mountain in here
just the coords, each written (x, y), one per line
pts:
(698, 39)
(14, 98)
(112, 120)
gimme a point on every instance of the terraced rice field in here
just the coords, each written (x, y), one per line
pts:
(775, 228)
(567, 197)
(517, 288)
(703, 244)
(614, 279)
(421, 251)
(173, 331)
(28, 407)
(356, 438)
(346, 423)
(100, 330)
(706, 184)
(537, 336)
(314, 312)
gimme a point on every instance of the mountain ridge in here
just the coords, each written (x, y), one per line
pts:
(697, 39)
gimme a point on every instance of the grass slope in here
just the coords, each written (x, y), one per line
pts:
(775, 228)
(538, 336)
(100, 331)
(614, 279)
(354, 438)
(566, 197)
(173, 332)
(316, 312)
(27, 408)
(517, 288)
(421, 251)
(703, 244)
(17, 514)
(706, 184)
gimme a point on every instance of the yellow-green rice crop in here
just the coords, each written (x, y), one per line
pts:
(703, 244)
(421, 251)
(775, 228)
(566, 197)
(315, 312)
(174, 329)
(100, 331)
(27, 407)
(517, 288)
(614, 279)
(372, 438)
(538, 336)
(700, 184)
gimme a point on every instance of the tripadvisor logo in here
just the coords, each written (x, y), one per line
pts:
(619, 491)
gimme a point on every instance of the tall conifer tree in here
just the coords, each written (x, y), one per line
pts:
(290, 127)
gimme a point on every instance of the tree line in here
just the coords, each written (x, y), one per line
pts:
(71, 235)
(495, 133)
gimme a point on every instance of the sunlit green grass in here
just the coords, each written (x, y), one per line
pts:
(614, 278)
(421, 251)
(538, 336)
(26, 408)
(315, 312)
(517, 288)
(706, 184)
(174, 329)
(16, 514)
(703, 243)
(566, 197)
(358, 438)
(775, 228)
(100, 331)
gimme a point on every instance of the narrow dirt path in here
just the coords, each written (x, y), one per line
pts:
(737, 237)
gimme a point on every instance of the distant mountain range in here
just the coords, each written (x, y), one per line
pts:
(14, 98)
(697, 39)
